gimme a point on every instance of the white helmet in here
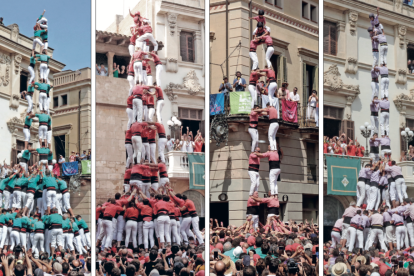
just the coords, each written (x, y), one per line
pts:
(19, 155)
(147, 21)
(54, 161)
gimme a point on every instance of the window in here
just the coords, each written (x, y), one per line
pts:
(278, 3)
(410, 124)
(23, 81)
(60, 146)
(305, 10)
(310, 207)
(330, 39)
(313, 14)
(64, 99)
(187, 46)
(311, 162)
(55, 102)
(348, 127)
(332, 120)
(410, 57)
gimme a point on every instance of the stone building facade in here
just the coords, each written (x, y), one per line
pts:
(294, 30)
(347, 79)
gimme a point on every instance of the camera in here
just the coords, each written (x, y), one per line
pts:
(292, 267)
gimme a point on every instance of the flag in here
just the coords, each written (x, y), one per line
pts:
(240, 102)
(343, 172)
(86, 167)
(196, 167)
(216, 104)
(69, 168)
(289, 111)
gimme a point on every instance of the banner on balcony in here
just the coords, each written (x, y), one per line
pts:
(69, 168)
(196, 165)
(240, 102)
(343, 174)
(216, 104)
(86, 167)
(290, 111)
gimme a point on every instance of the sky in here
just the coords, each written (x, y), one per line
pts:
(69, 26)
(107, 9)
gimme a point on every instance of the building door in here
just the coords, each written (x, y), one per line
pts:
(220, 211)
(191, 118)
(60, 147)
(332, 211)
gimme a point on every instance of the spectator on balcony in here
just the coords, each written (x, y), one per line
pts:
(61, 159)
(177, 145)
(283, 92)
(199, 142)
(225, 86)
(170, 143)
(410, 65)
(294, 96)
(116, 71)
(89, 155)
(239, 83)
(312, 101)
(408, 2)
(72, 157)
(102, 71)
(83, 156)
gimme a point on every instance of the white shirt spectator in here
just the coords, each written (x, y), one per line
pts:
(293, 97)
(183, 146)
(102, 72)
(170, 145)
(190, 146)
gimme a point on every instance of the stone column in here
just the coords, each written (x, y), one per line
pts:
(348, 107)
(199, 46)
(351, 41)
(110, 56)
(172, 43)
(203, 45)
(340, 27)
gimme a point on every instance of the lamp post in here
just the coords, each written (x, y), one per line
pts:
(366, 132)
(407, 135)
(174, 124)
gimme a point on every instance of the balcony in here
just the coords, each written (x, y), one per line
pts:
(67, 77)
(177, 164)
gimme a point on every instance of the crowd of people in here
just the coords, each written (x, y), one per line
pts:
(39, 232)
(277, 248)
(146, 229)
(375, 233)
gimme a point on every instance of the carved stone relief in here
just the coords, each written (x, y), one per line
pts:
(332, 79)
(191, 83)
(353, 18)
(5, 62)
(351, 65)
(172, 22)
(14, 32)
(172, 65)
(401, 77)
(402, 31)
(17, 61)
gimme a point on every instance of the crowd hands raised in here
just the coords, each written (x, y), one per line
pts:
(277, 248)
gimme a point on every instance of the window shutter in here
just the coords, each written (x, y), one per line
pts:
(13, 156)
(190, 43)
(285, 71)
(67, 147)
(279, 71)
(315, 75)
(305, 85)
(183, 46)
(332, 39)
(325, 37)
(347, 127)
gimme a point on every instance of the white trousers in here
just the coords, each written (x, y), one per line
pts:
(68, 241)
(161, 146)
(273, 128)
(255, 138)
(131, 118)
(131, 229)
(374, 89)
(174, 231)
(138, 72)
(32, 74)
(152, 149)
(375, 57)
(146, 153)
(107, 233)
(145, 112)
(130, 153)
(255, 60)
(372, 197)
(410, 231)
(43, 101)
(158, 70)
(385, 122)
(78, 245)
(43, 71)
(393, 191)
(383, 51)
(131, 50)
(148, 229)
(360, 193)
(163, 181)
(17, 199)
(255, 220)
(137, 110)
(401, 188)
(132, 83)
(14, 239)
(336, 238)
(352, 238)
(374, 234)
(163, 223)
(374, 123)
(6, 197)
(51, 199)
(273, 175)
(160, 105)
(56, 237)
(269, 54)
(345, 232)
(151, 112)
(253, 94)
(254, 178)
(151, 38)
(29, 102)
(149, 80)
(272, 88)
(140, 232)
(374, 156)
(400, 235)
(66, 201)
(120, 226)
(390, 234)
(385, 82)
(145, 187)
(185, 229)
(137, 144)
(196, 229)
(49, 138)
(38, 243)
(37, 41)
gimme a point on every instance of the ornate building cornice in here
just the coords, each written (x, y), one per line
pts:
(190, 85)
(332, 81)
